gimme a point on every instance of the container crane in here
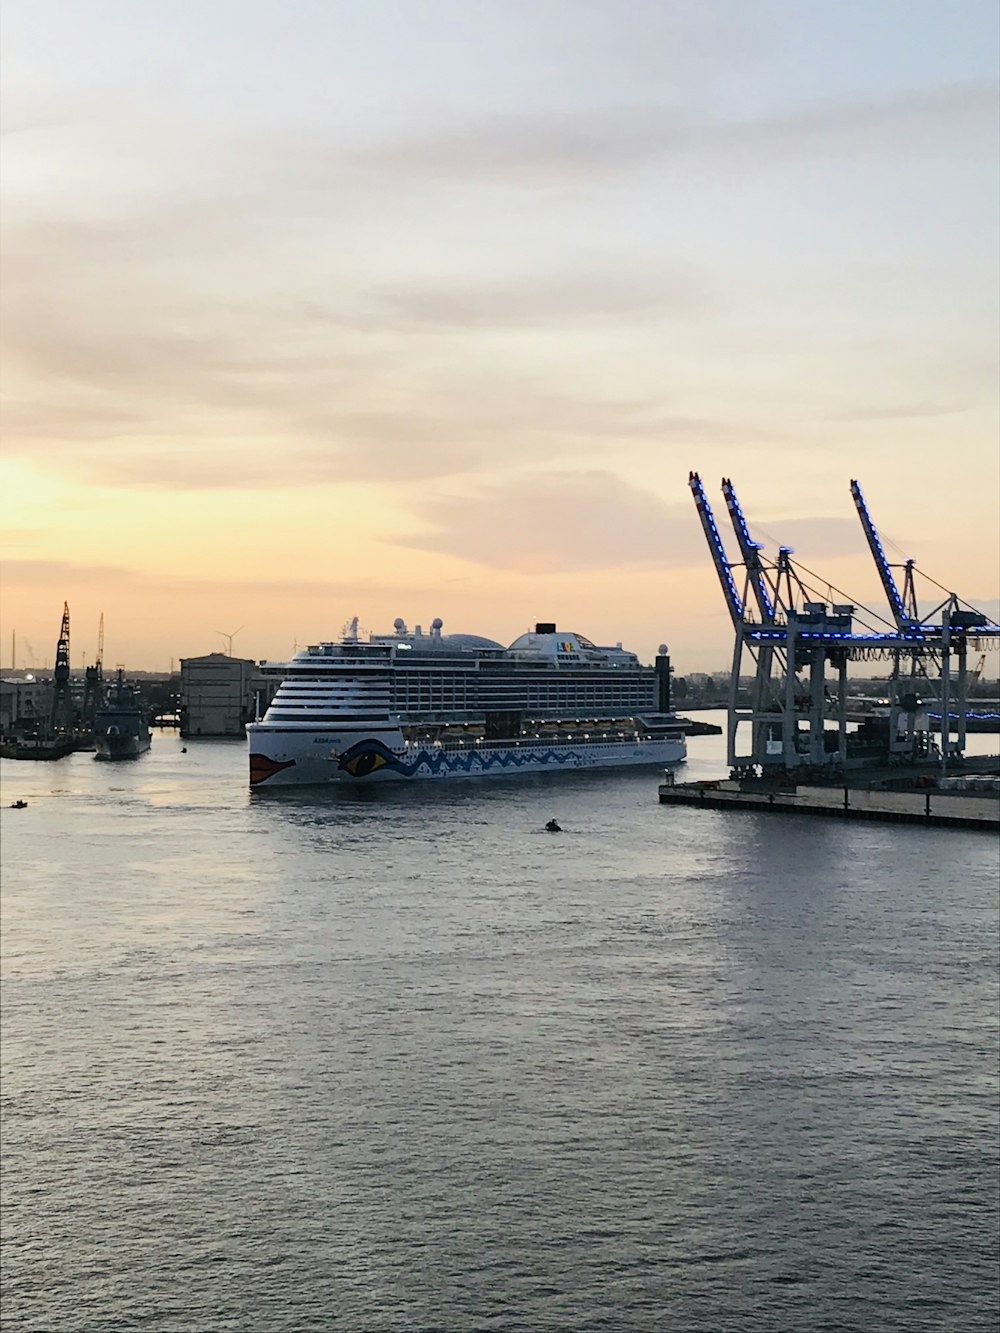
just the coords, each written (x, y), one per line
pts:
(950, 639)
(765, 704)
(802, 632)
(896, 604)
(723, 568)
(750, 551)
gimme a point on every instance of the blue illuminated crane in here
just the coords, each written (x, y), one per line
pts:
(896, 604)
(751, 553)
(723, 568)
(800, 724)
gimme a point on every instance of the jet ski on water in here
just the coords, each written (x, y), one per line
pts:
(553, 826)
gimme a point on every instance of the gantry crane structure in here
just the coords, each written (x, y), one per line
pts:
(93, 685)
(63, 717)
(791, 635)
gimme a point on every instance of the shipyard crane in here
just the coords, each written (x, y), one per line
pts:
(62, 718)
(93, 680)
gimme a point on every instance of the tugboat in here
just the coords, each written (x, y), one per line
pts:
(120, 729)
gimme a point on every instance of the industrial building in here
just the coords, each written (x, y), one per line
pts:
(25, 704)
(219, 694)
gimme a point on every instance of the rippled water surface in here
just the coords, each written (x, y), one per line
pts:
(398, 1059)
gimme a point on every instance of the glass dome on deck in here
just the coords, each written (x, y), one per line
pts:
(470, 641)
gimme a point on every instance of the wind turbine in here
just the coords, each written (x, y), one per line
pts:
(229, 639)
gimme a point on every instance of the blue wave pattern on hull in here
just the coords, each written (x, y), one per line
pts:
(367, 757)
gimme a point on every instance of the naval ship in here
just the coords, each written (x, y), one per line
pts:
(120, 729)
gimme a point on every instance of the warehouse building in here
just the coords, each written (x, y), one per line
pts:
(219, 694)
(24, 703)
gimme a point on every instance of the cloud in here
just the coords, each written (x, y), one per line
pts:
(556, 149)
(810, 537)
(900, 411)
(560, 521)
(184, 340)
(552, 522)
(84, 578)
(139, 351)
(547, 300)
(122, 378)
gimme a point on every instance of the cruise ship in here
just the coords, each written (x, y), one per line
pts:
(409, 704)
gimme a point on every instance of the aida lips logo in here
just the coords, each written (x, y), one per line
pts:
(262, 767)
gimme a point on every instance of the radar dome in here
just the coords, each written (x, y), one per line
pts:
(663, 650)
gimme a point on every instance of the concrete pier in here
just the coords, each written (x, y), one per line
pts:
(930, 807)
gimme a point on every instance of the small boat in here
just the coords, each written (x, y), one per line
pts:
(553, 827)
(19, 805)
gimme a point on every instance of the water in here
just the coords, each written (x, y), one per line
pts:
(398, 1060)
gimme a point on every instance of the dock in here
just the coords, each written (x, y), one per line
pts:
(970, 809)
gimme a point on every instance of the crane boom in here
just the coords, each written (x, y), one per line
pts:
(62, 704)
(722, 566)
(896, 604)
(750, 551)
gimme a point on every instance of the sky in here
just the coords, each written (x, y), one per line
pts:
(314, 308)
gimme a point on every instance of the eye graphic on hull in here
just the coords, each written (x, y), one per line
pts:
(366, 757)
(368, 761)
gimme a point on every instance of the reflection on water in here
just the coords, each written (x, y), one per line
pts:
(397, 1055)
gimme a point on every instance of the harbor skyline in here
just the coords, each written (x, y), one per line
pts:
(333, 310)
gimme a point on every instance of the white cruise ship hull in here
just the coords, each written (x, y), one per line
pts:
(295, 758)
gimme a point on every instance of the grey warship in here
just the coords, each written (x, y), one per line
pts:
(120, 729)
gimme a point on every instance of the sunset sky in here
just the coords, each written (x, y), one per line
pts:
(313, 309)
